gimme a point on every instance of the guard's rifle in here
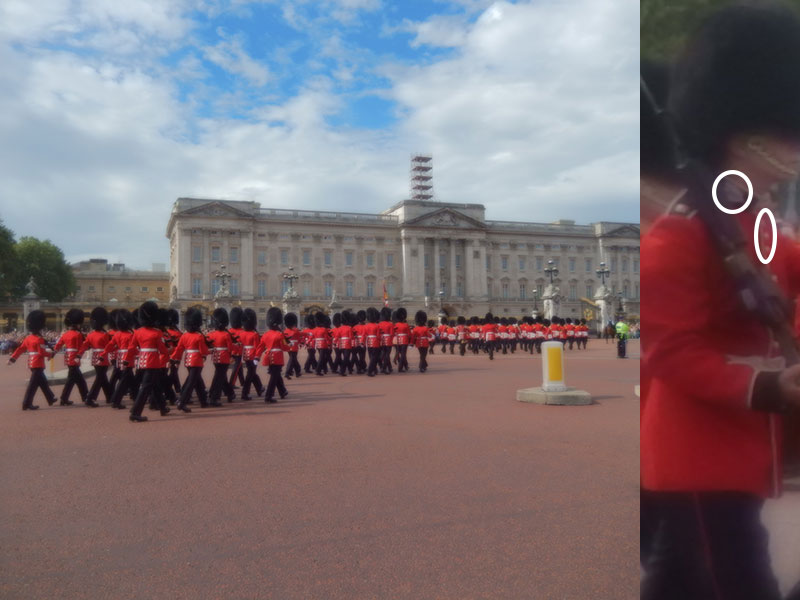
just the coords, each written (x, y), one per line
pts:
(756, 289)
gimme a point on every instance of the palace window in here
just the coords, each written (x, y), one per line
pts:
(262, 288)
(588, 262)
(328, 260)
(624, 264)
(197, 287)
(328, 289)
(427, 261)
(306, 289)
(306, 258)
(215, 254)
(234, 255)
(390, 290)
(348, 289)
(144, 288)
(284, 257)
(348, 258)
(214, 286)
(262, 257)
(284, 286)
(539, 263)
(571, 265)
(589, 291)
(458, 261)
(389, 260)
(370, 289)
(522, 291)
(504, 287)
(371, 259)
(234, 285)
(197, 254)
(521, 263)
(635, 265)
(504, 263)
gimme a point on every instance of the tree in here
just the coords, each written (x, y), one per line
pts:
(8, 262)
(45, 263)
(665, 24)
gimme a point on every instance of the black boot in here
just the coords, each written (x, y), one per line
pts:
(138, 418)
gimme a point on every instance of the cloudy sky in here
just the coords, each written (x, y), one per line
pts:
(112, 109)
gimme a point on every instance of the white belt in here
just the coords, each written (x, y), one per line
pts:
(33, 353)
(371, 336)
(148, 350)
(248, 346)
(275, 350)
(220, 349)
(70, 349)
(192, 351)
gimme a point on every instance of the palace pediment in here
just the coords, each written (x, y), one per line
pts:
(217, 209)
(446, 218)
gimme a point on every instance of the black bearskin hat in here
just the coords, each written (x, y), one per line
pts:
(219, 318)
(274, 318)
(74, 316)
(431, 323)
(373, 316)
(568, 321)
(135, 323)
(583, 321)
(148, 314)
(193, 320)
(738, 75)
(125, 320)
(337, 319)
(461, 320)
(311, 322)
(546, 322)
(163, 318)
(489, 317)
(348, 318)
(173, 318)
(503, 321)
(402, 315)
(362, 316)
(250, 319)
(320, 319)
(421, 318)
(655, 154)
(236, 317)
(290, 320)
(98, 318)
(386, 314)
(112, 319)
(35, 321)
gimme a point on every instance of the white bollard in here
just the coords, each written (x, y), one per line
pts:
(553, 367)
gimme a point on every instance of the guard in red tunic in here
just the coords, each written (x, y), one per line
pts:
(192, 345)
(72, 340)
(97, 341)
(147, 343)
(337, 351)
(118, 348)
(421, 338)
(361, 342)
(489, 334)
(174, 334)
(322, 342)
(345, 342)
(113, 379)
(294, 338)
(372, 333)
(221, 345)
(273, 344)
(569, 332)
(402, 334)
(461, 335)
(249, 338)
(386, 328)
(36, 349)
(311, 349)
(236, 355)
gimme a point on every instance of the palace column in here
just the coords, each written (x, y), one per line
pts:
(453, 275)
(421, 264)
(437, 282)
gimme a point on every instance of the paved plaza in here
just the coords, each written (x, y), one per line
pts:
(435, 485)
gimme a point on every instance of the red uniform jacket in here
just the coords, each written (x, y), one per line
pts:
(554, 332)
(112, 356)
(34, 346)
(249, 340)
(698, 431)
(149, 343)
(308, 337)
(387, 331)
(344, 335)
(372, 333)
(237, 346)
(489, 332)
(221, 347)
(420, 336)
(474, 332)
(321, 338)
(568, 331)
(273, 344)
(195, 348)
(118, 347)
(403, 333)
(97, 341)
(71, 340)
(293, 337)
(358, 335)
(451, 334)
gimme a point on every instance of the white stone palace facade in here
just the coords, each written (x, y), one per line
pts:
(424, 252)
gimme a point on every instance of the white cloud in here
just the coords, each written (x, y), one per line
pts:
(533, 113)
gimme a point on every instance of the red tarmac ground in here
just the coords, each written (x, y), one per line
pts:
(435, 485)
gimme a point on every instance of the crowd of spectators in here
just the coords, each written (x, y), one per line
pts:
(10, 341)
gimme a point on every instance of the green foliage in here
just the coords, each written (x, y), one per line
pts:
(665, 24)
(45, 262)
(8, 262)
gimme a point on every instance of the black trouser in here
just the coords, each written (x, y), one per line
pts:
(374, 358)
(292, 367)
(571, 341)
(220, 383)
(237, 370)
(75, 378)
(151, 385)
(444, 345)
(462, 347)
(100, 382)
(337, 362)
(253, 379)
(311, 360)
(452, 346)
(324, 360)
(166, 386)
(37, 381)
(174, 380)
(193, 382)
(490, 349)
(474, 346)
(125, 386)
(423, 359)
(275, 381)
(362, 359)
(137, 382)
(114, 379)
(402, 361)
(538, 345)
(709, 545)
(621, 348)
(345, 363)
(386, 359)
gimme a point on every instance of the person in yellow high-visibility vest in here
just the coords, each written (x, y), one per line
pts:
(622, 338)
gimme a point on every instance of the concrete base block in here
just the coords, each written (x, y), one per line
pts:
(571, 397)
(60, 377)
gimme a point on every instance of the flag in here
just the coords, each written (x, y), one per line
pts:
(385, 295)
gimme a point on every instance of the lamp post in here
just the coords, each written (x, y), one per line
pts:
(291, 277)
(552, 270)
(602, 273)
(620, 308)
(535, 294)
(441, 304)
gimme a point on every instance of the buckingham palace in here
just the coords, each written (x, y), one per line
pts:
(420, 253)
